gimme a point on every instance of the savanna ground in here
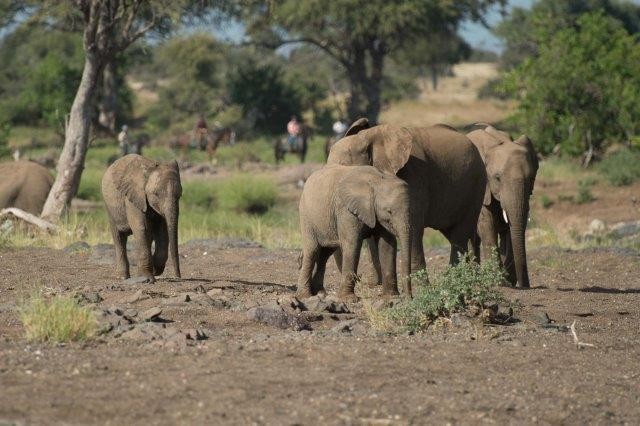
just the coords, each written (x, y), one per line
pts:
(343, 370)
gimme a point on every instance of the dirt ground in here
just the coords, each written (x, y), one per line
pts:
(246, 372)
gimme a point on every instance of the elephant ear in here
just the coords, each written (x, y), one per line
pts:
(498, 134)
(131, 182)
(528, 144)
(484, 141)
(358, 201)
(357, 126)
(390, 147)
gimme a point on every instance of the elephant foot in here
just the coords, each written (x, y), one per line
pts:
(348, 297)
(523, 287)
(303, 293)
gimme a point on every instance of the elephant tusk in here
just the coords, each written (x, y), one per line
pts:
(504, 215)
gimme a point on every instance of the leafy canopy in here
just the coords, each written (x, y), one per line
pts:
(583, 87)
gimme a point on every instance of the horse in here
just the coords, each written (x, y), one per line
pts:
(282, 146)
(208, 141)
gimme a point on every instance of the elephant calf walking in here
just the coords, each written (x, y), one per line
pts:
(142, 197)
(339, 207)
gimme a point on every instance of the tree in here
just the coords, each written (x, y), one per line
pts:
(583, 87)
(108, 28)
(526, 29)
(360, 34)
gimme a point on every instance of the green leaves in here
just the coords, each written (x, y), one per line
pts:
(582, 89)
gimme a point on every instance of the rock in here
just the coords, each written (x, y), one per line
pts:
(136, 297)
(273, 315)
(88, 297)
(541, 318)
(461, 321)
(345, 326)
(336, 307)
(320, 303)
(625, 229)
(194, 334)
(214, 292)
(291, 304)
(151, 314)
(139, 280)
(77, 247)
(597, 226)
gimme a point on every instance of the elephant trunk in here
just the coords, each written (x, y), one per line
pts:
(172, 228)
(403, 237)
(517, 211)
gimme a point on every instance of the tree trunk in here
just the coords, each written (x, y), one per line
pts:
(76, 143)
(365, 87)
(108, 105)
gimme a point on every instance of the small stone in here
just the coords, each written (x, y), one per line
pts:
(214, 292)
(541, 318)
(136, 297)
(275, 316)
(139, 280)
(151, 314)
(77, 247)
(130, 313)
(88, 297)
(345, 326)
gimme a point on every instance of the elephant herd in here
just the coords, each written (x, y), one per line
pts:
(381, 183)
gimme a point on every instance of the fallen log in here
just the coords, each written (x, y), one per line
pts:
(29, 218)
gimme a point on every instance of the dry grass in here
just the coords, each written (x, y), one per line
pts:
(455, 102)
(57, 320)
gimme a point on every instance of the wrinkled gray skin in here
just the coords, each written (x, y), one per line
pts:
(511, 171)
(25, 185)
(142, 197)
(445, 174)
(339, 207)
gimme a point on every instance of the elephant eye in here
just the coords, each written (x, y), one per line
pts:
(497, 176)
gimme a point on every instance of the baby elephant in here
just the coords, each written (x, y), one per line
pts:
(342, 205)
(142, 197)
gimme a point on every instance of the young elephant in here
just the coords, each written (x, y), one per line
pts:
(339, 207)
(142, 197)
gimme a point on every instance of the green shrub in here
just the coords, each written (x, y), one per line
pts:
(584, 193)
(621, 168)
(546, 201)
(460, 287)
(199, 193)
(91, 185)
(245, 193)
(60, 319)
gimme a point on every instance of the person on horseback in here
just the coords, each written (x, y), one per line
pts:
(293, 129)
(200, 132)
(123, 140)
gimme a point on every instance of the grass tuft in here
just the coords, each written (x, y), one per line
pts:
(57, 320)
(249, 194)
(621, 168)
(459, 288)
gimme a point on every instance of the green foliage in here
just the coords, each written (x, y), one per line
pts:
(621, 168)
(5, 130)
(264, 95)
(460, 287)
(584, 193)
(582, 89)
(91, 185)
(57, 320)
(546, 201)
(525, 30)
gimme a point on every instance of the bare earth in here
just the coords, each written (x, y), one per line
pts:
(249, 373)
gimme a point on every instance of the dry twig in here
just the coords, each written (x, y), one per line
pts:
(29, 218)
(577, 341)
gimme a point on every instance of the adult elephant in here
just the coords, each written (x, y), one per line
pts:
(511, 171)
(445, 174)
(25, 185)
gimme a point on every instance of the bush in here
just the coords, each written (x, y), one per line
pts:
(546, 201)
(621, 168)
(248, 194)
(60, 319)
(582, 89)
(584, 193)
(91, 185)
(460, 287)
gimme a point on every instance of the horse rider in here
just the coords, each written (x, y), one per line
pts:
(123, 140)
(200, 131)
(293, 130)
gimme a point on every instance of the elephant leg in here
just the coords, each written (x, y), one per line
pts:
(317, 281)
(350, 259)
(388, 253)
(488, 235)
(143, 237)
(374, 254)
(120, 244)
(309, 256)
(459, 237)
(417, 249)
(506, 257)
(337, 256)
(161, 249)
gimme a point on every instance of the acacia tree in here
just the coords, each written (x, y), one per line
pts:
(360, 34)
